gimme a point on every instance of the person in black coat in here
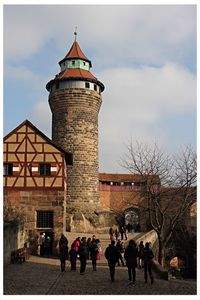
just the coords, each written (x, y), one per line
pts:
(119, 248)
(83, 252)
(147, 258)
(93, 254)
(63, 249)
(140, 254)
(130, 255)
(73, 257)
(112, 256)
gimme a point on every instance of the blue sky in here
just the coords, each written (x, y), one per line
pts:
(144, 54)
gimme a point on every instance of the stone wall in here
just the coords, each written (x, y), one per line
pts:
(31, 201)
(12, 240)
(151, 237)
(75, 129)
(121, 201)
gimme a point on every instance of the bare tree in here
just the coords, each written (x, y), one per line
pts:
(169, 186)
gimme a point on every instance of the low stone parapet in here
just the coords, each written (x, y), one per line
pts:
(151, 237)
(159, 270)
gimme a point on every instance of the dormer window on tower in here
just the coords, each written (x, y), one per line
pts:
(87, 85)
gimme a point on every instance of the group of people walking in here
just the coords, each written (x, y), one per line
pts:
(82, 249)
(115, 234)
(131, 256)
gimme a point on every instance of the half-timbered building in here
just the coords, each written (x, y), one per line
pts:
(35, 181)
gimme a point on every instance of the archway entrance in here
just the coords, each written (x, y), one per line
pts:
(132, 220)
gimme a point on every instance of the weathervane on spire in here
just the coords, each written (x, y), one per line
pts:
(75, 32)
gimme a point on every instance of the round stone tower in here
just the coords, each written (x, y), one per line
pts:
(75, 100)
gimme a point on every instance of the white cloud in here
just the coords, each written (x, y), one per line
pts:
(125, 43)
(22, 73)
(146, 94)
(113, 33)
(40, 116)
(135, 102)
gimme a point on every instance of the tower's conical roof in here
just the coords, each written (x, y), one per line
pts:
(75, 70)
(76, 53)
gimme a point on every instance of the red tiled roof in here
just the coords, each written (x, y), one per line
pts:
(69, 74)
(80, 73)
(126, 177)
(76, 52)
(120, 177)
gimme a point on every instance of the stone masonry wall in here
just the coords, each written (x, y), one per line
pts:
(29, 202)
(75, 129)
(121, 201)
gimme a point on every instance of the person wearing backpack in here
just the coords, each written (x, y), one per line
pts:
(147, 258)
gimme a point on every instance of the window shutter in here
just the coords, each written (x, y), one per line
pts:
(35, 169)
(15, 169)
(54, 169)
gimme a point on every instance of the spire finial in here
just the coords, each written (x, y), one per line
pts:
(75, 32)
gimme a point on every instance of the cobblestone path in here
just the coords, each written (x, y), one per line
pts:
(42, 276)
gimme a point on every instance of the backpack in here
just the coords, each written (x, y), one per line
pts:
(73, 254)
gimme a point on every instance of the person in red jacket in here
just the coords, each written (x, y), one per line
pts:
(77, 243)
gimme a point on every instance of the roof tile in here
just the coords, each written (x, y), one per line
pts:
(70, 73)
(76, 52)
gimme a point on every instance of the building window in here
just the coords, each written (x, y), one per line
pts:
(139, 183)
(8, 169)
(45, 169)
(95, 87)
(127, 183)
(84, 63)
(57, 85)
(44, 219)
(73, 62)
(116, 183)
(87, 85)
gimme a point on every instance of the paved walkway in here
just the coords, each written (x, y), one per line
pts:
(42, 276)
